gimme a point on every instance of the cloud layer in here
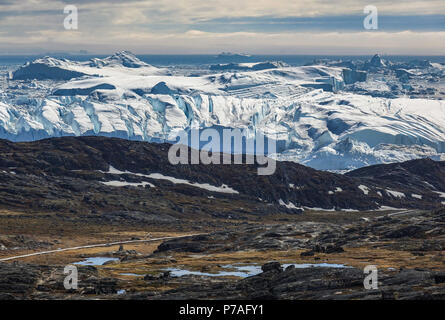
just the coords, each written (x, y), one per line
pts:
(211, 26)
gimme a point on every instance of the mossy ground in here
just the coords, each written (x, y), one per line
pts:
(63, 231)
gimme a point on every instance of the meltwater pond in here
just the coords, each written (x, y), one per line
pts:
(95, 261)
(247, 270)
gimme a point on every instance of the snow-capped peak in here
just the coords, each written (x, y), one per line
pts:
(121, 58)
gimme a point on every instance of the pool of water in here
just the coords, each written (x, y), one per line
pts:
(95, 261)
(319, 265)
(244, 271)
(183, 272)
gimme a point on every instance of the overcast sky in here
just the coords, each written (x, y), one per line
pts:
(212, 26)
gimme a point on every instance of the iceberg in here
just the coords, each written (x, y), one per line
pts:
(248, 66)
(305, 109)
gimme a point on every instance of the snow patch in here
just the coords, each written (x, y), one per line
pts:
(364, 189)
(223, 188)
(388, 208)
(441, 194)
(116, 183)
(290, 205)
(319, 209)
(395, 194)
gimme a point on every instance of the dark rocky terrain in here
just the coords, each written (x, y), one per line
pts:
(65, 175)
(316, 283)
(407, 247)
(52, 195)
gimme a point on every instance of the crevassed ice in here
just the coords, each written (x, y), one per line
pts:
(123, 97)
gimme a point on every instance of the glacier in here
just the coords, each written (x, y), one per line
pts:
(315, 121)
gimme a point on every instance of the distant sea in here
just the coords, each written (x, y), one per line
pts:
(205, 60)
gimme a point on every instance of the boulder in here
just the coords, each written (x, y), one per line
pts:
(272, 267)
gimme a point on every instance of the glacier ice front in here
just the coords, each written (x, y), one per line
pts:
(314, 121)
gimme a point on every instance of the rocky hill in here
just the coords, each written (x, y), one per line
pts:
(99, 174)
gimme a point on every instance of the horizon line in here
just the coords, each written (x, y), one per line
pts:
(217, 54)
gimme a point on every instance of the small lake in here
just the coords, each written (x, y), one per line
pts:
(247, 270)
(95, 261)
(132, 274)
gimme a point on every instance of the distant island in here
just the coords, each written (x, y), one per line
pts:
(232, 55)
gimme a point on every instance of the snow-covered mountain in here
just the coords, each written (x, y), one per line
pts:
(315, 122)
